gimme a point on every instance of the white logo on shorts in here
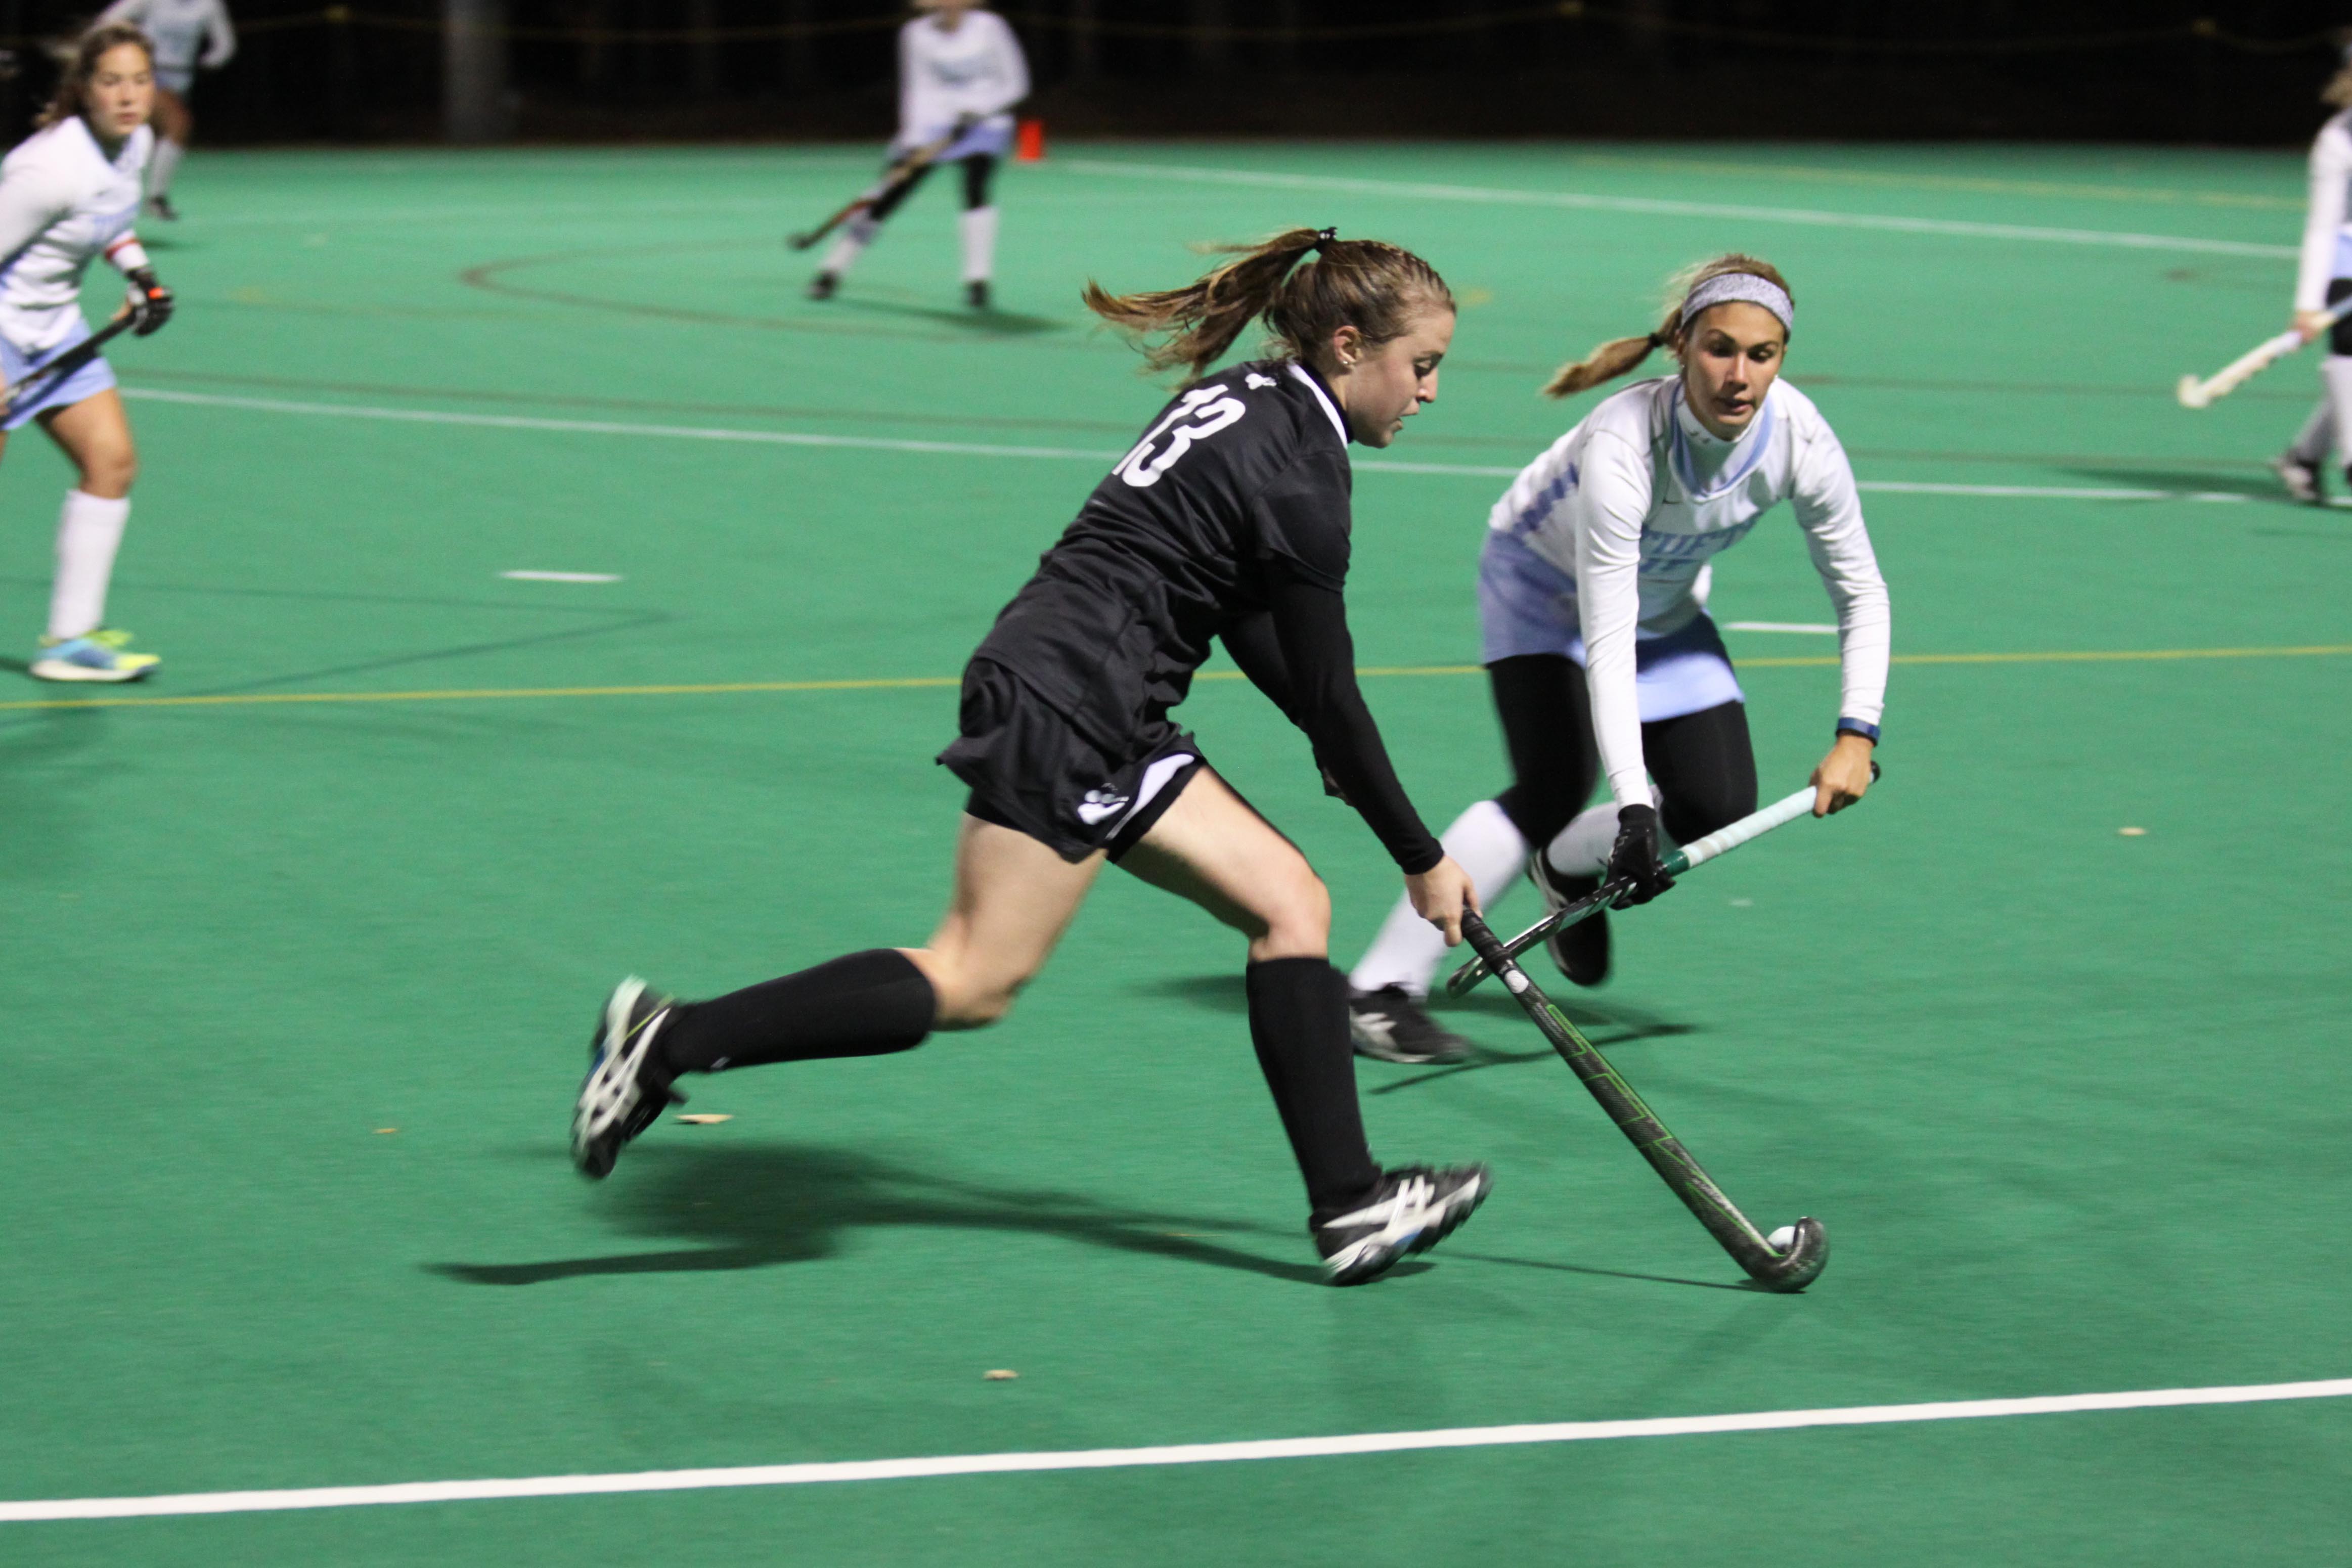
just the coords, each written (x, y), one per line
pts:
(1101, 804)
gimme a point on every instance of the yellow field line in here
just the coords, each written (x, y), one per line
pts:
(257, 699)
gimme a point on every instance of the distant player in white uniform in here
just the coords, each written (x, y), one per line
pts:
(960, 71)
(2322, 278)
(1592, 602)
(67, 195)
(187, 33)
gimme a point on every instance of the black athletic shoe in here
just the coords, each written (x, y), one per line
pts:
(1580, 951)
(2300, 479)
(627, 1085)
(1413, 1209)
(159, 205)
(975, 294)
(1390, 1025)
(823, 286)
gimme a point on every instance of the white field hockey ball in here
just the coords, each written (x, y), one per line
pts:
(1781, 1241)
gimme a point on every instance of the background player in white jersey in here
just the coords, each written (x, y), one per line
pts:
(1598, 556)
(68, 194)
(2323, 277)
(186, 34)
(960, 70)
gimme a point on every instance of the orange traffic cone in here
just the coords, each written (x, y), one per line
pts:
(1030, 144)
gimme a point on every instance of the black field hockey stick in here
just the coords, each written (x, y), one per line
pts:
(48, 374)
(903, 173)
(1674, 862)
(1809, 1247)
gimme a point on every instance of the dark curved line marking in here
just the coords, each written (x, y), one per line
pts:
(488, 276)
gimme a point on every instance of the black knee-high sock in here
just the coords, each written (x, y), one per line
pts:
(867, 1004)
(1298, 1021)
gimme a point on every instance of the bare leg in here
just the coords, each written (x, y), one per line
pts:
(1212, 849)
(95, 434)
(1013, 898)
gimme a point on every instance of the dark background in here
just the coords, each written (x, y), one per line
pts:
(623, 69)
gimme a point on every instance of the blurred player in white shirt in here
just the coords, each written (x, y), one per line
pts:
(67, 195)
(186, 34)
(960, 71)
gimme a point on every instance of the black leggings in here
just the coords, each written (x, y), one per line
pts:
(1703, 763)
(978, 170)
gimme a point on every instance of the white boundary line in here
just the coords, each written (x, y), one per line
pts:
(1583, 201)
(1126, 1459)
(978, 449)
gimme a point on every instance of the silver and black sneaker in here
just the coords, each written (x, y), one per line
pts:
(2301, 479)
(1390, 1025)
(1580, 952)
(627, 1085)
(1413, 1209)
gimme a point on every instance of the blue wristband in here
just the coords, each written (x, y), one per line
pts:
(1868, 732)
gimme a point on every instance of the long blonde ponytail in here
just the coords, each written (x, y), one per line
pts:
(1368, 284)
(1619, 356)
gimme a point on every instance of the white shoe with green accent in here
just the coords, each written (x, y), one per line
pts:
(100, 655)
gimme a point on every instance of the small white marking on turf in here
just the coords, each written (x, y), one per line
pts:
(1780, 626)
(1167, 1454)
(562, 576)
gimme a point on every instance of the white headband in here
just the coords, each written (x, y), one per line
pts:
(1724, 287)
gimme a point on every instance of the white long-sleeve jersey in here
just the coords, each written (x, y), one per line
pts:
(63, 203)
(2324, 230)
(187, 33)
(978, 69)
(1638, 498)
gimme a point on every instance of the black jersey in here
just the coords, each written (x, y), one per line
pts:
(1231, 514)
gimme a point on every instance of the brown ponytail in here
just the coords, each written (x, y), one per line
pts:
(73, 83)
(1621, 355)
(1363, 283)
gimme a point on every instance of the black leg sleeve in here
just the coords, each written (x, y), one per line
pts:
(1705, 766)
(1547, 728)
(890, 204)
(977, 171)
(867, 1004)
(1298, 1021)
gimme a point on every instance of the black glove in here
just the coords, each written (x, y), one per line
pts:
(150, 302)
(962, 126)
(1635, 856)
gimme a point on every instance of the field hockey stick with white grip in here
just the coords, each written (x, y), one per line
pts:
(2196, 393)
(901, 174)
(43, 376)
(1674, 862)
(1790, 1267)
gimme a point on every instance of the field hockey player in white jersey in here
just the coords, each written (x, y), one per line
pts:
(1592, 603)
(960, 71)
(67, 195)
(186, 34)
(2323, 279)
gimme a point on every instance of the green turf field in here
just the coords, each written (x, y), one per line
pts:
(305, 939)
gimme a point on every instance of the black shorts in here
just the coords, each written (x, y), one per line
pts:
(1032, 772)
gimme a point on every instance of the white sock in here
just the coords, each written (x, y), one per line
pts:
(978, 226)
(855, 236)
(1583, 848)
(162, 165)
(90, 530)
(2319, 432)
(2336, 369)
(1409, 949)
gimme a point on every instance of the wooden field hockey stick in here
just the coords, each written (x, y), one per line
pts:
(902, 173)
(1674, 862)
(67, 363)
(2195, 394)
(1809, 1245)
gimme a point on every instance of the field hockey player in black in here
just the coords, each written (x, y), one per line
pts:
(1229, 518)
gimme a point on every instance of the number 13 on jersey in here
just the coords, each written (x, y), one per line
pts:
(1208, 409)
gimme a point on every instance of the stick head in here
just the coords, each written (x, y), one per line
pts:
(2192, 393)
(1799, 1264)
